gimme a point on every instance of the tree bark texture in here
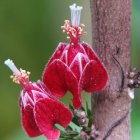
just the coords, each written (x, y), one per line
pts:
(111, 21)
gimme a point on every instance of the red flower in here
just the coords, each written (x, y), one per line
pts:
(74, 66)
(40, 111)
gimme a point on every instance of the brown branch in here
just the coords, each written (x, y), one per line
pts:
(111, 41)
(121, 72)
(118, 122)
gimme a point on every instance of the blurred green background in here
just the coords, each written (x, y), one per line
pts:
(29, 33)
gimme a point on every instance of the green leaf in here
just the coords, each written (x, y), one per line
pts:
(60, 127)
(90, 122)
(71, 107)
(89, 113)
(75, 127)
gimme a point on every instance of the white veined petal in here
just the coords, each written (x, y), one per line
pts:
(64, 56)
(37, 95)
(78, 59)
(39, 86)
(26, 100)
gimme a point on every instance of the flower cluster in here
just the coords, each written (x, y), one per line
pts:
(74, 66)
(40, 110)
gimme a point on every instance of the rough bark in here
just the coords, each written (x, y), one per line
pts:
(111, 20)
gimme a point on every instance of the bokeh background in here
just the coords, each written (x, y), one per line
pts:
(29, 33)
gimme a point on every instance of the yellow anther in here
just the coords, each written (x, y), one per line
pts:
(83, 25)
(28, 72)
(66, 21)
(62, 27)
(23, 74)
(72, 31)
(11, 76)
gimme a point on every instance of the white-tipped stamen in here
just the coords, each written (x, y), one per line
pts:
(75, 15)
(131, 93)
(12, 66)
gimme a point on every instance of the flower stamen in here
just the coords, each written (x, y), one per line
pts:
(74, 29)
(19, 76)
(75, 15)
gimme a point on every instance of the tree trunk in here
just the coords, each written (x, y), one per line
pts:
(111, 20)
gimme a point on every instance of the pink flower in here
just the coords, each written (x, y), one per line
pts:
(40, 111)
(74, 66)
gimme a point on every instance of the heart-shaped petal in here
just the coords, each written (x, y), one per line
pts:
(94, 77)
(59, 78)
(28, 122)
(49, 112)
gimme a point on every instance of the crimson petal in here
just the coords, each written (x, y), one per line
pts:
(90, 53)
(49, 112)
(78, 64)
(28, 122)
(73, 50)
(94, 77)
(54, 77)
(58, 53)
(59, 78)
